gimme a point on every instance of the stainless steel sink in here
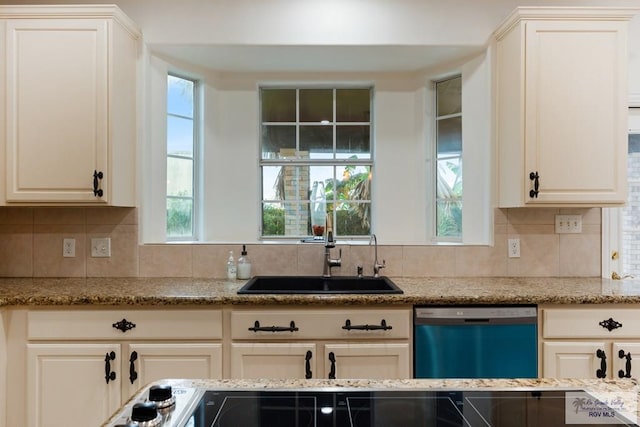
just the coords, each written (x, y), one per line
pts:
(319, 285)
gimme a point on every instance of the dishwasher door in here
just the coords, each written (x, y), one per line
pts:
(475, 342)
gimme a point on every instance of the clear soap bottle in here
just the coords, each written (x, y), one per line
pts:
(231, 267)
(244, 265)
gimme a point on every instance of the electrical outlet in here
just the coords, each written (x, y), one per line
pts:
(568, 224)
(101, 248)
(514, 248)
(69, 248)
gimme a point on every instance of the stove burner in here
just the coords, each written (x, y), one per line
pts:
(266, 411)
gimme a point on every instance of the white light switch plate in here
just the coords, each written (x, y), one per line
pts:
(101, 248)
(568, 224)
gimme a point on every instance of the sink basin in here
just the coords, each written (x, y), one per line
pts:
(319, 285)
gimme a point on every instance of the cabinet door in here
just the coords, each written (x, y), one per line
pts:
(151, 362)
(575, 115)
(625, 356)
(574, 359)
(68, 380)
(370, 360)
(56, 88)
(273, 360)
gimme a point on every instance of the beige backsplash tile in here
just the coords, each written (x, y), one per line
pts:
(211, 260)
(437, 261)
(47, 250)
(16, 250)
(16, 216)
(539, 256)
(59, 216)
(112, 215)
(124, 251)
(580, 255)
(274, 259)
(483, 260)
(166, 260)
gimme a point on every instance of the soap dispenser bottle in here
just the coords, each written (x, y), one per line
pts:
(244, 265)
(231, 267)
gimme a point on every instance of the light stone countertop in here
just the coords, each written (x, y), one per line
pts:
(625, 389)
(424, 290)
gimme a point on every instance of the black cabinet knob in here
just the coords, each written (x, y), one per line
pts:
(142, 412)
(162, 396)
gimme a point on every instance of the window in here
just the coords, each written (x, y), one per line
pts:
(181, 152)
(449, 159)
(316, 161)
(631, 212)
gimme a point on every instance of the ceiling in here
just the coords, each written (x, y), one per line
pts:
(362, 58)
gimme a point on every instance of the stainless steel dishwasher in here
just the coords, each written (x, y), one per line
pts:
(475, 342)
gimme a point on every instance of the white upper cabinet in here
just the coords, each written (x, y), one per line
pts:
(561, 107)
(70, 101)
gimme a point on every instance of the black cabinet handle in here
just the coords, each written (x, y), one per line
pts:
(381, 327)
(133, 375)
(97, 177)
(109, 375)
(307, 365)
(332, 371)
(610, 324)
(536, 184)
(627, 365)
(291, 328)
(124, 325)
(602, 372)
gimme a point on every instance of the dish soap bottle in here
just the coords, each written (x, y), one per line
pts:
(244, 265)
(231, 267)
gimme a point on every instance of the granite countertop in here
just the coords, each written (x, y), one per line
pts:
(424, 290)
(625, 390)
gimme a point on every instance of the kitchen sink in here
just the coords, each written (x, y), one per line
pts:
(319, 285)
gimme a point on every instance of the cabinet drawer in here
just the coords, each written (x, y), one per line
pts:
(566, 323)
(99, 324)
(320, 324)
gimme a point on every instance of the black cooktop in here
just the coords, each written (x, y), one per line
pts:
(439, 408)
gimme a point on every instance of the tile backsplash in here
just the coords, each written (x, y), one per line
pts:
(31, 246)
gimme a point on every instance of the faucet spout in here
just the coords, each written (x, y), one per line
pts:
(328, 262)
(376, 265)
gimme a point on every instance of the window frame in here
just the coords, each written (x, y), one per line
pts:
(195, 196)
(335, 162)
(435, 175)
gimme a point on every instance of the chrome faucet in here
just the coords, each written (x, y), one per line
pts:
(328, 262)
(376, 265)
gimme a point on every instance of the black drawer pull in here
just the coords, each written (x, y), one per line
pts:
(610, 324)
(124, 325)
(602, 372)
(627, 365)
(381, 327)
(257, 328)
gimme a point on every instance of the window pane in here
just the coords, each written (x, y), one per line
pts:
(179, 177)
(286, 219)
(285, 183)
(316, 105)
(449, 97)
(353, 105)
(450, 136)
(449, 178)
(449, 218)
(277, 138)
(353, 141)
(317, 140)
(180, 96)
(179, 136)
(273, 219)
(179, 217)
(278, 105)
(354, 183)
(353, 219)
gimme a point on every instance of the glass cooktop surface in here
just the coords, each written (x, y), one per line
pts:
(438, 408)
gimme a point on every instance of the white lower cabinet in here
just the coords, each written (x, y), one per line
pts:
(590, 341)
(290, 344)
(90, 368)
